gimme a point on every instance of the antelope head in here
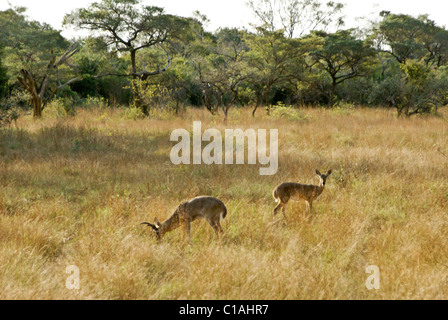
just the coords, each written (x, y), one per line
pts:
(323, 177)
(155, 227)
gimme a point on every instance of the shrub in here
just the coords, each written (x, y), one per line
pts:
(133, 113)
(287, 112)
(414, 89)
(94, 102)
(343, 108)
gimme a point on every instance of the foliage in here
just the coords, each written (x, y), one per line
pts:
(340, 55)
(3, 75)
(343, 108)
(94, 102)
(181, 82)
(281, 111)
(222, 69)
(388, 91)
(297, 18)
(128, 27)
(37, 55)
(426, 89)
(92, 63)
(276, 60)
(133, 113)
(401, 34)
(141, 56)
(12, 106)
(415, 88)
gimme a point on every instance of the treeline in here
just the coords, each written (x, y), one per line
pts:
(144, 58)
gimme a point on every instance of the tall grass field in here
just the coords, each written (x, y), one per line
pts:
(74, 190)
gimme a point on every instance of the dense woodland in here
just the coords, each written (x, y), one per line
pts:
(298, 54)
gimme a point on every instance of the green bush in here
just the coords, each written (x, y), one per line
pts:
(287, 112)
(94, 102)
(133, 113)
(343, 108)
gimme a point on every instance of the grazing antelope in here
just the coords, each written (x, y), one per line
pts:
(209, 208)
(295, 191)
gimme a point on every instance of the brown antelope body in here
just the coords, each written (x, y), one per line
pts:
(209, 208)
(296, 191)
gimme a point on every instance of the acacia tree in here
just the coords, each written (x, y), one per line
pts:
(435, 41)
(297, 17)
(36, 54)
(127, 26)
(403, 37)
(416, 80)
(415, 88)
(275, 59)
(38, 86)
(340, 55)
(222, 69)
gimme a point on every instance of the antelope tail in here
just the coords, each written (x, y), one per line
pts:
(275, 195)
(224, 213)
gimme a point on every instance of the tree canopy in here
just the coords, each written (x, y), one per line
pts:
(139, 55)
(340, 55)
(128, 26)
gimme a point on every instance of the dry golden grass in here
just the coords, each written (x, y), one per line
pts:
(74, 190)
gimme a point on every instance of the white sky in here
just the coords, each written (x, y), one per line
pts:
(233, 13)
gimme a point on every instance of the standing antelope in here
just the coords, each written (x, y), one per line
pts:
(209, 208)
(290, 190)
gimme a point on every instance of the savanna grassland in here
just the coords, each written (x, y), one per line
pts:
(74, 191)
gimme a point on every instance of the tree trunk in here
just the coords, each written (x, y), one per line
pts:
(38, 92)
(224, 107)
(28, 81)
(37, 107)
(226, 111)
(254, 110)
(257, 104)
(331, 97)
(136, 86)
(266, 99)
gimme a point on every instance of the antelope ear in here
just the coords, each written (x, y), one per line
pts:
(329, 172)
(157, 223)
(318, 172)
